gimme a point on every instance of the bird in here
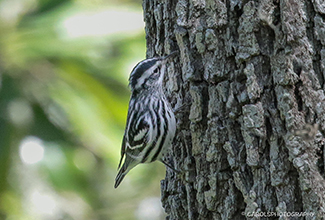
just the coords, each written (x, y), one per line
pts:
(151, 124)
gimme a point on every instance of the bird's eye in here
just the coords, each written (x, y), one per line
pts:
(155, 71)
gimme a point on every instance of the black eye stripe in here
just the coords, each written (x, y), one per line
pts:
(139, 69)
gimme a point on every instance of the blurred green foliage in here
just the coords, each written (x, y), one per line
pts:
(63, 106)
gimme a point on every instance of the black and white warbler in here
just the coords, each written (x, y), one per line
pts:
(151, 124)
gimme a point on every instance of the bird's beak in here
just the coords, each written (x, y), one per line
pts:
(172, 54)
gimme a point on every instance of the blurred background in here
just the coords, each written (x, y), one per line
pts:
(64, 68)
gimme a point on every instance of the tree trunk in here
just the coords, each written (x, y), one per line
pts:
(251, 142)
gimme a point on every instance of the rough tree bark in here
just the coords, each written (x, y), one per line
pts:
(252, 139)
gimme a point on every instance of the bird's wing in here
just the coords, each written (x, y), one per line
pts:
(136, 137)
(122, 152)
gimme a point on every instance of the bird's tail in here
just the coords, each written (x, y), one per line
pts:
(120, 176)
(128, 164)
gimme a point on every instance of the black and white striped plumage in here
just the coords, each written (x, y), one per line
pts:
(151, 124)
